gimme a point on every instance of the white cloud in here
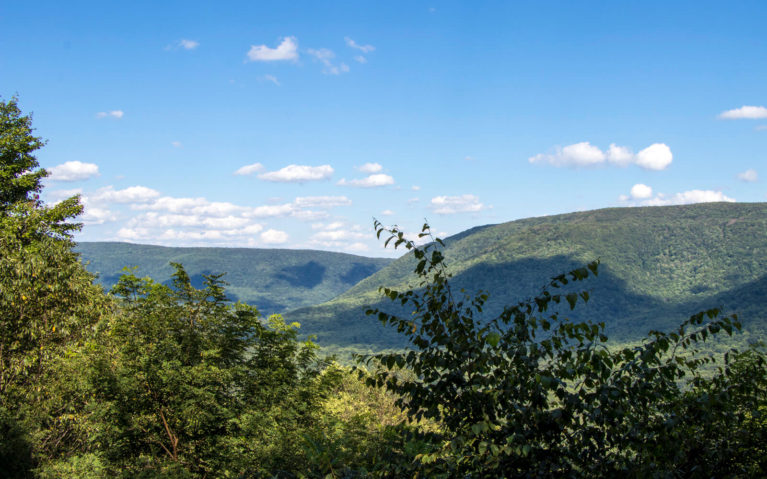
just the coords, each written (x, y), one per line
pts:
(415, 188)
(116, 114)
(445, 205)
(334, 225)
(338, 235)
(271, 211)
(249, 169)
(684, 198)
(59, 195)
(641, 191)
(272, 236)
(749, 175)
(745, 112)
(174, 205)
(324, 56)
(578, 154)
(371, 181)
(358, 247)
(286, 50)
(93, 215)
(188, 44)
(135, 234)
(370, 168)
(363, 48)
(298, 173)
(273, 79)
(387, 213)
(322, 201)
(655, 157)
(620, 155)
(73, 171)
(132, 194)
(176, 144)
(468, 158)
(360, 59)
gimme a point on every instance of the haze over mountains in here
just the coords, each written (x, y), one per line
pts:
(658, 266)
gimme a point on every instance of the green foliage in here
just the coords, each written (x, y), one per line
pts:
(18, 178)
(47, 299)
(182, 383)
(533, 393)
(274, 280)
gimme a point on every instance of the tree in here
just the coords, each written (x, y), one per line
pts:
(181, 383)
(47, 299)
(531, 393)
(18, 177)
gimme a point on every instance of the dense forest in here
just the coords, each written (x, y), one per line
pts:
(273, 280)
(173, 379)
(657, 265)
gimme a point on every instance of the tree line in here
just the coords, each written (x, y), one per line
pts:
(154, 380)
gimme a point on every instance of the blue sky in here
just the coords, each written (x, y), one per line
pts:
(276, 124)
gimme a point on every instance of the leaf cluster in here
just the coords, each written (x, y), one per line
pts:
(532, 393)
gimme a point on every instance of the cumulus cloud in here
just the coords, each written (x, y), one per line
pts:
(655, 157)
(249, 169)
(363, 48)
(745, 112)
(322, 201)
(95, 215)
(56, 196)
(116, 114)
(298, 173)
(272, 236)
(749, 176)
(578, 154)
(370, 168)
(643, 197)
(641, 191)
(446, 205)
(371, 181)
(325, 56)
(73, 171)
(286, 50)
(132, 194)
(620, 155)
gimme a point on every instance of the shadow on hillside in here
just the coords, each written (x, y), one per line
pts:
(627, 315)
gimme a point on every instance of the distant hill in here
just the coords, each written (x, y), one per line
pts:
(658, 266)
(272, 279)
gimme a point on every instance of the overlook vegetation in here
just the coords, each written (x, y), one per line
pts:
(172, 379)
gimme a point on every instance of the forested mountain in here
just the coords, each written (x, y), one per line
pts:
(271, 279)
(658, 266)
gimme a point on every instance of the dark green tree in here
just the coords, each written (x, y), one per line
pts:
(19, 173)
(532, 394)
(47, 299)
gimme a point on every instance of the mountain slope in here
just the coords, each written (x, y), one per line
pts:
(272, 279)
(658, 266)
